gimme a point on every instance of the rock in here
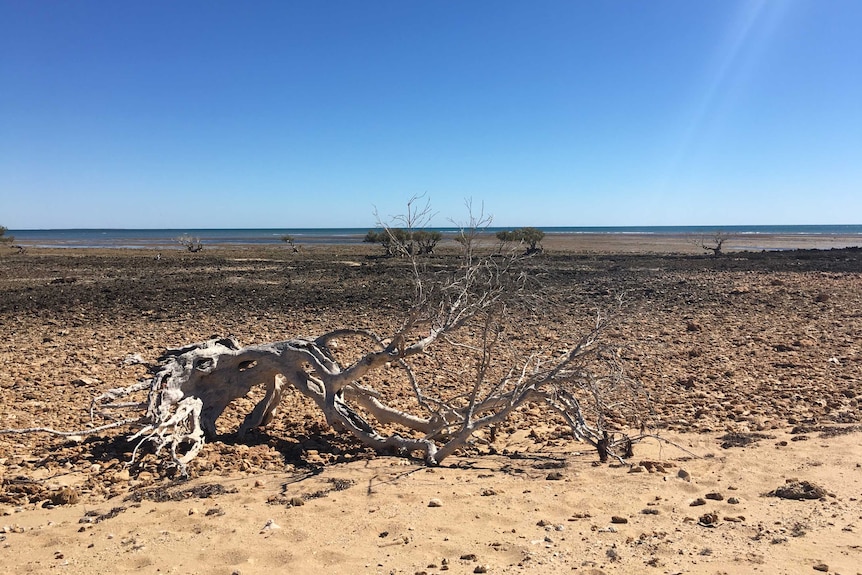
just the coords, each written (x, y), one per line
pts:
(697, 502)
(296, 501)
(733, 500)
(65, 496)
(270, 525)
(435, 503)
(480, 569)
(619, 520)
(798, 490)
(708, 520)
(714, 496)
(684, 475)
(121, 476)
(821, 567)
(554, 476)
(86, 382)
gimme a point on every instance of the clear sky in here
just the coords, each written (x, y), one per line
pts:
(192, 114)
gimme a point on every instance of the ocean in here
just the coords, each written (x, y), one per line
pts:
(150, 238)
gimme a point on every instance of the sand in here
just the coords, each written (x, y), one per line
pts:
(754, 362)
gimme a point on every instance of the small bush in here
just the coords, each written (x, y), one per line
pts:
(530, 236)
(190, 243)
(3, 237)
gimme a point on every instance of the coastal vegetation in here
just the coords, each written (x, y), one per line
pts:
(291, 241)
(4, 238)
(532, 237)
(191, 243)
(404, 243)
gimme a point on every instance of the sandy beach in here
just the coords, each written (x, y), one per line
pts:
(753, 361)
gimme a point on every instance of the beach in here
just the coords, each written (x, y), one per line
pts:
(752, 361)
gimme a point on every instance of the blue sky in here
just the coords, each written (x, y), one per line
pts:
(193, 114)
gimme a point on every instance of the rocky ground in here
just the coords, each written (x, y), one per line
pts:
(753, 362)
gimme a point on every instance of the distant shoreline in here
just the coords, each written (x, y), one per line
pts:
(663, 239)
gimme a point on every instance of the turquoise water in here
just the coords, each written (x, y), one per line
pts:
(117, 238)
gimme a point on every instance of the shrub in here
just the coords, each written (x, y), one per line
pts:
(530, 236)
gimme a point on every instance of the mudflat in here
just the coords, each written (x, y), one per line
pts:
(753, 362)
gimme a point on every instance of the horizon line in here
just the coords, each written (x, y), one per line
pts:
(544, 227)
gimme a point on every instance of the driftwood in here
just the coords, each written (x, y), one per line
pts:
(197, 382)
(465, 309)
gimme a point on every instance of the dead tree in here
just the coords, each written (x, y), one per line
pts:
(291, 241)
(473, 311)
(192, 244)
(716, 244)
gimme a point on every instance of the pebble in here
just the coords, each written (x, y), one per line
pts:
(85, 382)
(121, 476)
(435, 503)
